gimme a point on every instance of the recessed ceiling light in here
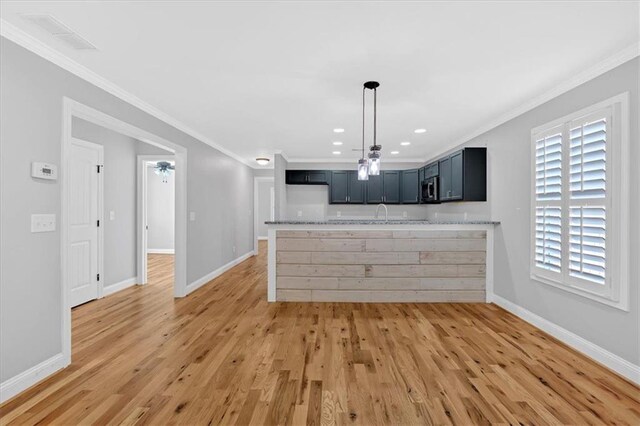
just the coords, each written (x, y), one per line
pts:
(337, 143)
(262, 161)
(406, 143)
(338, 130)
(395, 152)
(419, 130)
(336, 153)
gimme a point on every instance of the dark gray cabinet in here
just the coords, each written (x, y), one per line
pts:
(307, 177)
(410, 186)
(345, 188)
(463, 175)
(357, 188)
(384, 188)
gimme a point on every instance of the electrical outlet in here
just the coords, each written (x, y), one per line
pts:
(404, 214)
(192, 216)
(338, 213)
(234, 249)
(299, 213)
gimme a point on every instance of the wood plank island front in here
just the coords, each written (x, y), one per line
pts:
(380, 261)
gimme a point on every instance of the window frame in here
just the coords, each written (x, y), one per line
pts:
(615, 291)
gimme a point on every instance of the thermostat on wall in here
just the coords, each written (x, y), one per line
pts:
(44, 171)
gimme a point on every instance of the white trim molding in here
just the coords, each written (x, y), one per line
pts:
(21, 382)
(114, 288)
(216, 273)
(593, 351)
(43, 50)
(160, 251)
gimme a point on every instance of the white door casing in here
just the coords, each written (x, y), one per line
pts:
(85, 207)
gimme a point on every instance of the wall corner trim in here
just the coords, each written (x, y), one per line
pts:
(216, 273)
(22, 381)
(608, 359)
(114, 288)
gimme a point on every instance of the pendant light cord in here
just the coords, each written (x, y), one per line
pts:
(375, 114)
(363, 89)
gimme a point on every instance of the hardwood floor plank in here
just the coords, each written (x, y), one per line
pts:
(223, 355)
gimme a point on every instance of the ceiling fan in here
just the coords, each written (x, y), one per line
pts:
(164, 169)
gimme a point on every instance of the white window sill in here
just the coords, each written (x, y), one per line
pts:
(622, 304)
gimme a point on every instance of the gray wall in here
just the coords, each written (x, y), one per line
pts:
(310, 202)
(220, 191)
(509, 194)
(161, 199)
(119, 196)
(264, 206)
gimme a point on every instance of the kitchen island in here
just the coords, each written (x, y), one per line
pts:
(380, 261)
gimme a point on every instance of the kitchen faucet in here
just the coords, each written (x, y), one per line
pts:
(386, 212)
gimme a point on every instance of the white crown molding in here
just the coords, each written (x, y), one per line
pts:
(354, 160)
(598, 69)
(20, 37)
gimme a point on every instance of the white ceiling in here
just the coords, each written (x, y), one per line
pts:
(261, 77)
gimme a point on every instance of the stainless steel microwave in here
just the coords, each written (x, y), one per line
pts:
(430, 190)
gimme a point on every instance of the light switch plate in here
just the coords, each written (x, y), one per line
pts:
(112, 215)
(43, 222)
(192, 216)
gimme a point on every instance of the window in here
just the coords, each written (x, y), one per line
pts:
(580, 199)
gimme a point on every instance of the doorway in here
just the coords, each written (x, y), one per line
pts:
(156, 201)
(263, 207)
(73, 109)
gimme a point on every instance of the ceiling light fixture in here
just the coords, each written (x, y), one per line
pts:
(337, 143)
(262, 161)
(405, 143)
(419, 130)
(164, 169)
(338, 130)
(337, 152)
(395, 152)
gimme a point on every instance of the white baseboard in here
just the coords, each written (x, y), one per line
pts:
(597, 353)
(20, 382)
(113, 288)
(160, 251)
(263, 238)
(214, 274)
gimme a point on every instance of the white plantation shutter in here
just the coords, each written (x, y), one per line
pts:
(548, 197)
(549, 238)
(588, 185)
(580, 208)
(549, 167)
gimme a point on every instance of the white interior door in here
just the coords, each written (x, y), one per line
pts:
(84, 180)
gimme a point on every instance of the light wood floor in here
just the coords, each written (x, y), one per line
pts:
(225, 356)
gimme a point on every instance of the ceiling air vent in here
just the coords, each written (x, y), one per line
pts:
(60, 31)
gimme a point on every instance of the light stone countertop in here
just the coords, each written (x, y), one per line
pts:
(381, 222)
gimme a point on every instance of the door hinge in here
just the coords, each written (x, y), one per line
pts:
(98, 277)
(98, 167)
(98, 222)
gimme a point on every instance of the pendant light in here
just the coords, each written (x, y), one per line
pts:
(374, 154)
(363, 163)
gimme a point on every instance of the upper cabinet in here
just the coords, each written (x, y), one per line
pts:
(463, 175)
(410, 186)
(384, 188)
(307, 177)
(345, 188)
